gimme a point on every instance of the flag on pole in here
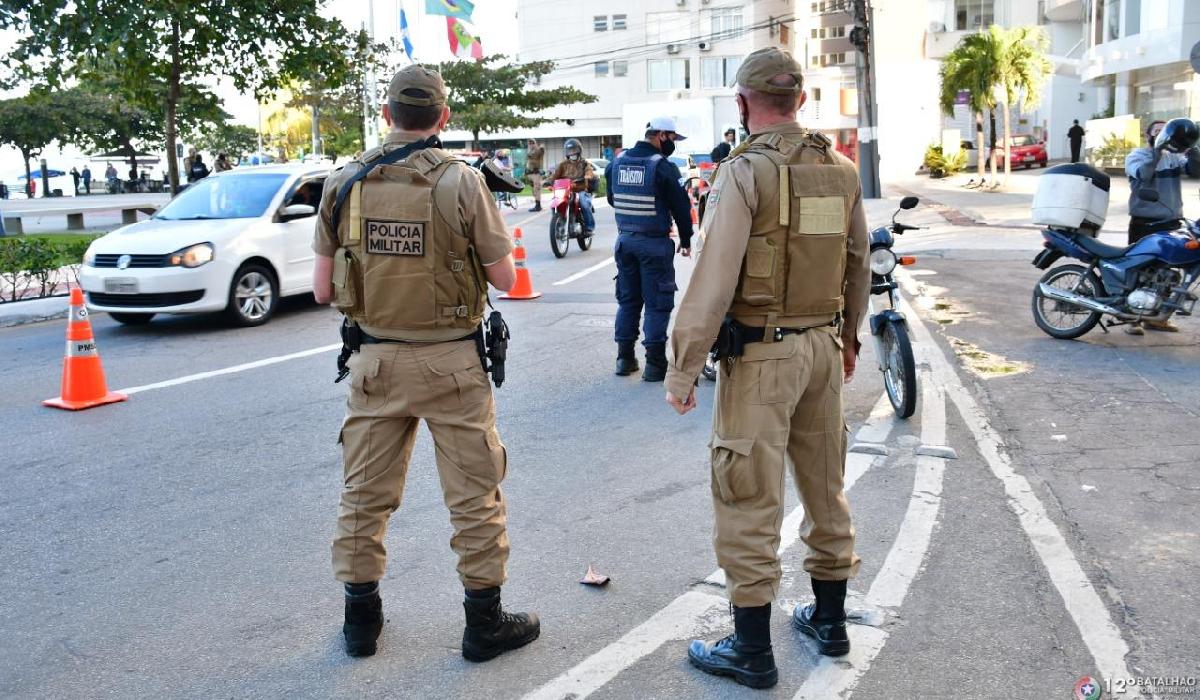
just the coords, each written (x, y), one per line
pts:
(462, 44)
(458, 9)
(408, 47)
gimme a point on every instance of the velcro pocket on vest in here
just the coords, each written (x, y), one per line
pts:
(759, 284)
(733, 477)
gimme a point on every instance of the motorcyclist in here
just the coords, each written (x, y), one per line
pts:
(1170, 154)
(572, 168)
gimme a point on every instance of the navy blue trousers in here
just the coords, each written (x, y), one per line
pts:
(645, 277)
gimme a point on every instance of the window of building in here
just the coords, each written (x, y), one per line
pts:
(1133, 17)
(669, 27)
(837, 32)
(618, 22)
(814, 32)
(620, 69)
(670, 74)
(601, 69)
(600, 23)
(839, 58)
(814, 8)
(816, 60)
(1112, 19)
(726, 22)
(974, 14)
(821, 34)
(719, 72)
(816, 94)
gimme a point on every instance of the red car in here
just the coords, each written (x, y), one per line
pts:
(1027, 151)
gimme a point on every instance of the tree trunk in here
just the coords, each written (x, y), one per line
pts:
(25, 157)
(127, 146)
(172, 106)
(316, 128)
(992, 141)
(979, 155)
(1007, 146)
(475, 140)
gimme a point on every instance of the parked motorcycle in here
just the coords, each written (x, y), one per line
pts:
(1151, 280)
(566, 217)
(889, 328)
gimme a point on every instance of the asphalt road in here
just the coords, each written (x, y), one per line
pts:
(177, 545)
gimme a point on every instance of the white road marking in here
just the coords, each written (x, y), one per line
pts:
(1089, 612)
(584, 273)
(231, 370)
(685, 616)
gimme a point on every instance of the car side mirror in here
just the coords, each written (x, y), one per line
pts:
(1148, 194)
(909, 202)
(296, 211)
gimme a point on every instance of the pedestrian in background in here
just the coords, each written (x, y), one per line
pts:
(721, 152)
(87, 179)
(222, 163)
(197, 170)
(1075, 136)
(534, 160)
(75, 178)
(784, 258)
(644, 191)
(414, 357)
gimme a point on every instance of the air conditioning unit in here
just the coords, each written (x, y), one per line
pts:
(937, 28)
(705, 46)
(672, 48)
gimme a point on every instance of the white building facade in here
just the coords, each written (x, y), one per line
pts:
(642, 58)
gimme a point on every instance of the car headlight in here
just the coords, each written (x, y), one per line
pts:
(89, 257)
(883, 261)
(192, 256)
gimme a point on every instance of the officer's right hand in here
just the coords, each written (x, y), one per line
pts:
(849, 361)
(682, 407)
(685, 252)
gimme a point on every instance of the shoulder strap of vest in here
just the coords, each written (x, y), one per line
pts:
(445, 200)
(385, 159)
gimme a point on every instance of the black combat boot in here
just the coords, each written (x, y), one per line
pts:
(627, 362)
(537, 206)
(364, 618)
(825, 619)
(490, 630)
(656, 363)
(745, 655)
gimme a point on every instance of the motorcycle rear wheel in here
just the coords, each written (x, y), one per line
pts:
(1060, 319)
(899, 369)
(560, 237)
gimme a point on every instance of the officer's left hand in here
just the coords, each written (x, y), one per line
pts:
(685, 252)
(682, 407)
(849, 360)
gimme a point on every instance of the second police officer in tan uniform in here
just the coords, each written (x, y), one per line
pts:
(407, 257)
(785, 255)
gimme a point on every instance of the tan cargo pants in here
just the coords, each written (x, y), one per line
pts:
(393, 386)
(780, 404)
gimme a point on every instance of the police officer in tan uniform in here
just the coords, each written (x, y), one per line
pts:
(407, 258)
(784, 255)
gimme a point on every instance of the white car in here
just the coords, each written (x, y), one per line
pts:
(234, 242)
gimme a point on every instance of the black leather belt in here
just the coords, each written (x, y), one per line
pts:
(368, 339)
(752, 334)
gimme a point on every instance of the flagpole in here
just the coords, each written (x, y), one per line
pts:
(371, 131)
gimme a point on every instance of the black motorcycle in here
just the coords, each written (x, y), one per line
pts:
(889, 328)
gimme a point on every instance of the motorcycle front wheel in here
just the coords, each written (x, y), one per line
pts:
(899, 368)
(1062, 319)
(560, 236)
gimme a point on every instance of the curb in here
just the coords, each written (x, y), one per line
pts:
(18, 313)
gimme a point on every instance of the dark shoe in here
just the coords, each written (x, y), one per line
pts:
(656, 363)
(627, 362)
(364, 622)
(490, 630)
(745, 655)
(537, 206)
(825, 619)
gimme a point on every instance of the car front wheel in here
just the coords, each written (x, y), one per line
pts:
(253, 295)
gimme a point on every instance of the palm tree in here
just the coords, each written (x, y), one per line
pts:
(1020, 71)
(971, 67)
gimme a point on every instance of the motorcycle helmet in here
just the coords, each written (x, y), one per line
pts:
(572, 147)
(1178, 135)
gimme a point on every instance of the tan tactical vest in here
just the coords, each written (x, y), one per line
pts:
(793, 272)
(406, 269)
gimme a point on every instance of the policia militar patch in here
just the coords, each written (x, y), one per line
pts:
(395, 237)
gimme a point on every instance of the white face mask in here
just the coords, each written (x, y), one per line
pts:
(573, 156)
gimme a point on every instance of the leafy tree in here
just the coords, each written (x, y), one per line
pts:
(169, 43)
(970, 67)
(30, 123)
(491, 95)
(234, 140)
(1021, 70)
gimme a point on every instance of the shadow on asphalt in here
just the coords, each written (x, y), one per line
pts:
(289, 308)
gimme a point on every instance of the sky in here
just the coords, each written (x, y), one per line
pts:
(495, 23)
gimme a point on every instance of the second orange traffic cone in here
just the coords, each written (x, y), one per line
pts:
(82, 377)
(523, 289)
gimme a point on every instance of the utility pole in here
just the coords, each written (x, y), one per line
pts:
(863, 39)
(371, 118)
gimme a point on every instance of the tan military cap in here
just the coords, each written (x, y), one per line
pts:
(416, 77)
(761, 66)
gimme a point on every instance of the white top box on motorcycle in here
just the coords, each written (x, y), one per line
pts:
(1072, 197)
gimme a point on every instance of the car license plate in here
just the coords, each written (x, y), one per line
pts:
(120, 285)
(1029, 159)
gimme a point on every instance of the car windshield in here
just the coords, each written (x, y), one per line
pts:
(225, 197)
(1022, 141)
(701, 158)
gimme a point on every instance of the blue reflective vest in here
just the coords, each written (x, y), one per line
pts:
(638, 207)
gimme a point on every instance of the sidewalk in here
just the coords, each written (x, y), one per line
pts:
(1010, 208)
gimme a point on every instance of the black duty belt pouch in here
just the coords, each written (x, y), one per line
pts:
(731, 340)
(495, 343)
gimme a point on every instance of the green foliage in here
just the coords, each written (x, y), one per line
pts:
(234, 140)
(32, 122)
(32, 266)
(1114, 149)
(940, 165)
(491, 94)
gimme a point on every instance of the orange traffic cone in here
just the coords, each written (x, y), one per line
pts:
(82, 378)
(523, 289)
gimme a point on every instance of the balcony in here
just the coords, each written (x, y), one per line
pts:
(1064, 10)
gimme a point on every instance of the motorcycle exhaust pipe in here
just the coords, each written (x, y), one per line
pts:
(1072, 298)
